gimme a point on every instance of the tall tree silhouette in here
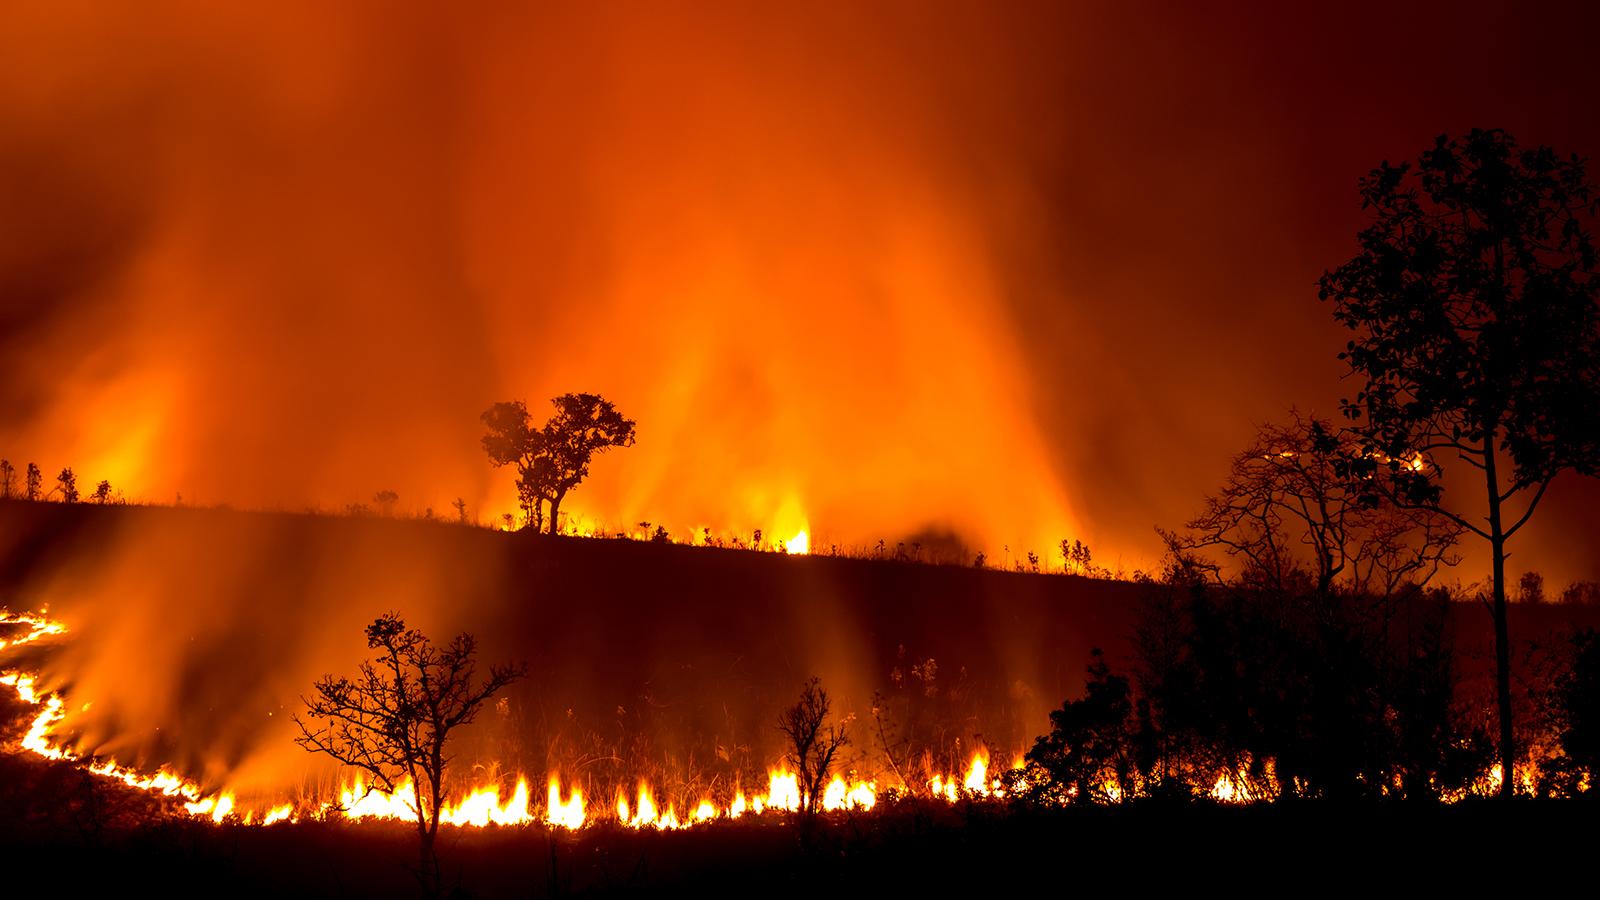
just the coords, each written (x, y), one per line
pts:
(1477, 334)
(584, 424)
(554, 459)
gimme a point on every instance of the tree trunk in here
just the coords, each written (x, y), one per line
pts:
(555, 508)
(1502, 630)
(427, 862)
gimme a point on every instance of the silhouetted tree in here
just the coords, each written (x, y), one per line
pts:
(1295, 525)
(554, 459)
(1582, 592)
(1477, 334)
(34, 482)
(67, 484)
(813, 743)
(385, 501)
(394, 720)
(461, 510)
(102, 492)
(584, 424)
(1089, 755)
(1576, 705)
(8, 474)
(513, 441)
(1530, 588)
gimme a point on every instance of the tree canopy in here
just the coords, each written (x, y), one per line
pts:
(1476, 336)
(553, 459)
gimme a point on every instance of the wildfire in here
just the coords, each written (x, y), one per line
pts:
(800, 543)
(483, 805)
(976, 783)
(568, 814)
(645, 814)
(278, 814)
(480, 807)
(38, 627)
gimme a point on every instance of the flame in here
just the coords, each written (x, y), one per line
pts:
(1488, 784)
(38, 627)
(841, 795)
(214, 808)
(37, 738)
(646, 815)
(568, 814)
(1238, 786)
(783, 791)
(977, 779)
(976, 783)
(284, 813)
(800, 543)
(482, 806)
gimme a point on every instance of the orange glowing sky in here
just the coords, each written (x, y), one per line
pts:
(1014, 272)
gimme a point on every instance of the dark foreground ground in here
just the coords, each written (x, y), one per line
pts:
(87, 841)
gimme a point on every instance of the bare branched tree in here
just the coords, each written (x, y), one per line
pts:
(813, 743)
(1288, 511)
(393, 721)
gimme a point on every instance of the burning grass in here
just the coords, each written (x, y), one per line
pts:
(478, 806)
(32, 717)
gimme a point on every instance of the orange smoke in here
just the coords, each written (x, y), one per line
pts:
(324, 244)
